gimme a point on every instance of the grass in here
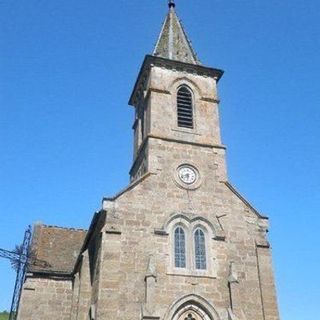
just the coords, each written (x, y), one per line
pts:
(4, 315)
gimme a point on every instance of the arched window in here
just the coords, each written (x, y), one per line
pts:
(179, 248)
(200, 250)
(185, 108)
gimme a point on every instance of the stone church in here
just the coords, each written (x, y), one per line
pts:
(180, 242)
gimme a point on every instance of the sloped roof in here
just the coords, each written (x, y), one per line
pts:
(173, 42)
(55, 249)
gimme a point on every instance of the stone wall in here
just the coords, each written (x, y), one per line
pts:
(45, 298)
(140, 216)
(238, 282)
(127, 268)
(157, 109)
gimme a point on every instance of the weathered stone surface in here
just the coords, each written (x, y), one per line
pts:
(126, 269)
(47, 291)
(173, 42)
(45, 298)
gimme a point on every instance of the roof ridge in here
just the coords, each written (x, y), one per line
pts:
(48, 226)
(189, 42)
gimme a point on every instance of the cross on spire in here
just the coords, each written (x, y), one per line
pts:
(171, 4)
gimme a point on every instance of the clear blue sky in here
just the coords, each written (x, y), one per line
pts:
(66, 72)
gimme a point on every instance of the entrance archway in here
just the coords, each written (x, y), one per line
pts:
(191, 312)
(192, 307)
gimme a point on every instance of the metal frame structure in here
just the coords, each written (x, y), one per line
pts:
(20, 259)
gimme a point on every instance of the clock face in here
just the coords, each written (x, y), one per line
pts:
(187, 175)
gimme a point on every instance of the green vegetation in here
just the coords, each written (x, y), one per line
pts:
(4, 315)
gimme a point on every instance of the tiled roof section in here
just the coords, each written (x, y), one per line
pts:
(173, 42)
(55, 249)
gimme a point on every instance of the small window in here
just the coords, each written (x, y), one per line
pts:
(185, 108)
(179, 248)
(200, 250)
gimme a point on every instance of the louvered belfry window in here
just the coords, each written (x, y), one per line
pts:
(185, 108)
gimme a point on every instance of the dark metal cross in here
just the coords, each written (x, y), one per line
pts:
(171, 3)
(21, 258)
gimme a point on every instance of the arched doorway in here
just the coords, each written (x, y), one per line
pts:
(192, 307)
(191, 312)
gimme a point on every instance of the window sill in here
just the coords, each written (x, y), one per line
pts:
(185, 130)
(192, 273)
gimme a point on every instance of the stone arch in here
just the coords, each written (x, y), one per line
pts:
(195, 221)
(192, 307)
(178, 82)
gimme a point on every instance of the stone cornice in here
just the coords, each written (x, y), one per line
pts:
(128, 188)
(158, 91)
(150, 61)
(262, 243)
(244, 200)
(204, 145)
(111, 231)
(50, 274)
(208, 99)
(153, 136)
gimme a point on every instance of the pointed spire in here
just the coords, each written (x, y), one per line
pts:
(173, 42)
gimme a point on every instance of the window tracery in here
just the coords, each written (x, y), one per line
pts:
(200, 250)
(179, 248)
(192, 250)
(194, 239)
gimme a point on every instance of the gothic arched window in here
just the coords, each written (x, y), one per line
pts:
(200, 250)
(179, 248)
(185, 107)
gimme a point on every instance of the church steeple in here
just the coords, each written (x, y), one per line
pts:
(175, 100)
(173, 42)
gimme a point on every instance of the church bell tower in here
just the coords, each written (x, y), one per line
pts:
(213, 257)
(176, 101)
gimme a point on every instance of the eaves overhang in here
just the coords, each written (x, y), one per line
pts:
(150, 61)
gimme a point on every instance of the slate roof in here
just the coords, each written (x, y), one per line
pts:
(173, 42)
(55, 249)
